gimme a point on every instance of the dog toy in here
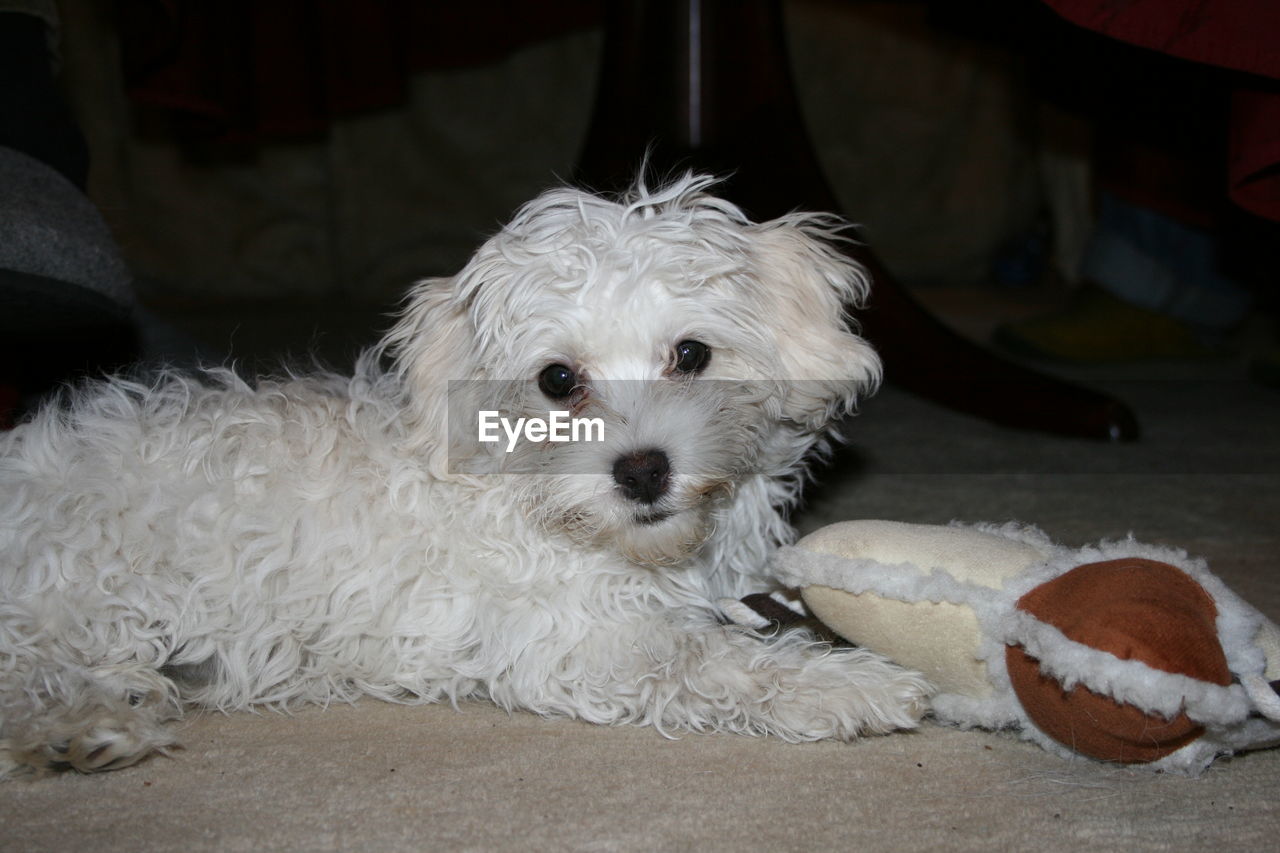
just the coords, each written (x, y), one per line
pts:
(1120, 651)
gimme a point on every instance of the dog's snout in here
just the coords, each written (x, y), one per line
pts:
(643, 475)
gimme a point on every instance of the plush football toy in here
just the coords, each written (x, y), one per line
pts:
(1120, 651)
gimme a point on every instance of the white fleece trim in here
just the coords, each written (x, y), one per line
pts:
(1131, 682)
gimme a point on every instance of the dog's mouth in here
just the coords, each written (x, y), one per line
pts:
(648, 519)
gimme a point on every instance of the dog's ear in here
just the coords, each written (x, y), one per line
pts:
(809, 287)
(432, 343)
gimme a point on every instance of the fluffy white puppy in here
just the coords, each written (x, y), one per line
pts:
(203, 541)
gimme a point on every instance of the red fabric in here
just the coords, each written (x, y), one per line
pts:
(1254, 153)
(244, 71)
(1238, 34)
(1243, 35)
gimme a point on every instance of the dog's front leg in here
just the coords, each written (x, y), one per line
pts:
(698, 675)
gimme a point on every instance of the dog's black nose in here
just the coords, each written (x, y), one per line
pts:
(643, 475)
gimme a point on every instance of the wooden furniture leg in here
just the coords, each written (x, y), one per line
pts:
(706, 84)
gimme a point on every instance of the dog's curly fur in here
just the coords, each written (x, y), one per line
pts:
(200, 541)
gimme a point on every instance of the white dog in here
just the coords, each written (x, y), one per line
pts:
(201, 541)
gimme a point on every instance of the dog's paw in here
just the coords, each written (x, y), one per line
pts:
(97, 734)
(849, 693)
(107, 745)
(100, 745)
(913, 693)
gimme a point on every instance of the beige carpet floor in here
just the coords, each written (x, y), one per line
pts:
(385, 778)
(377, 777)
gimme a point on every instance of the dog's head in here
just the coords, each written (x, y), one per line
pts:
(696, 349)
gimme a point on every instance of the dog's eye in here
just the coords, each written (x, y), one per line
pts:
(557, 381)
(692, 356)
